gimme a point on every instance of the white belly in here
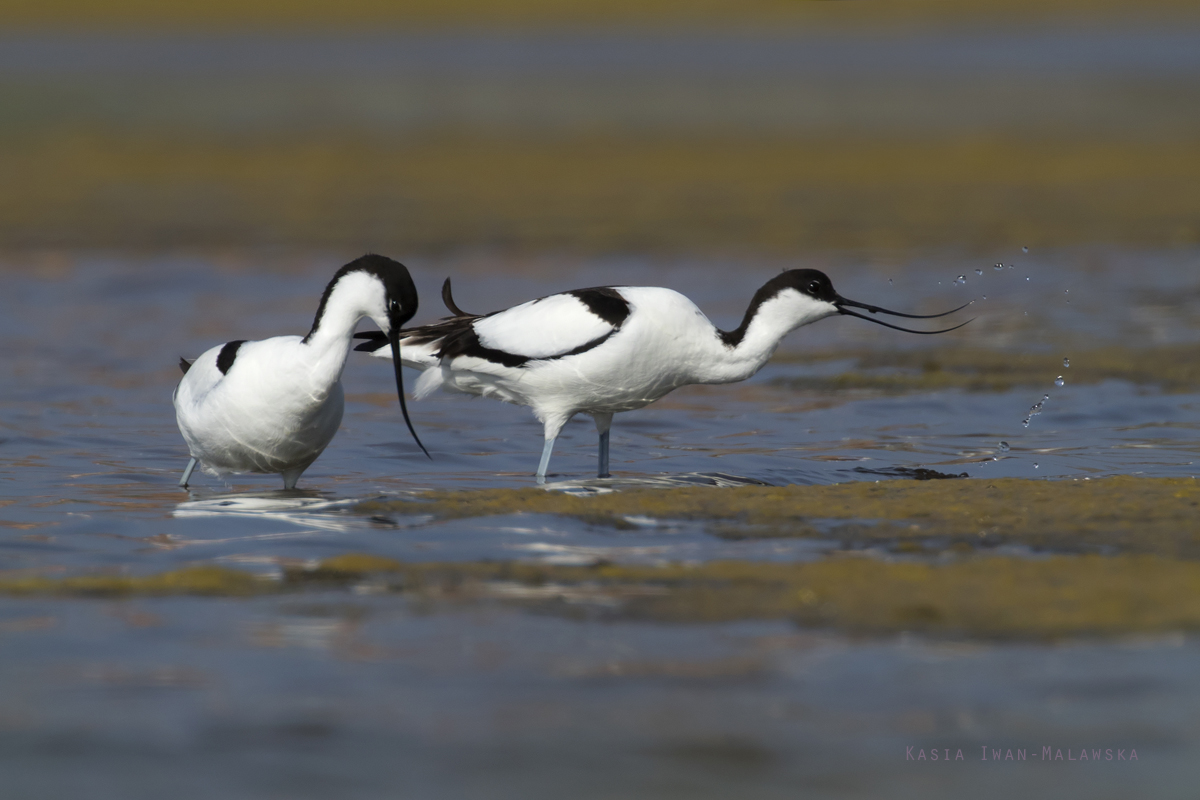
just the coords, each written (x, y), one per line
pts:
(237, 423)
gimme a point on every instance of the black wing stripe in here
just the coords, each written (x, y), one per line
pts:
(468, 344)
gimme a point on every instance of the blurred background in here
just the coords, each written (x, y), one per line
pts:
(173, 176)
(776, 128)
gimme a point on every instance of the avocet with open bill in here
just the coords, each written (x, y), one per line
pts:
(610, 349)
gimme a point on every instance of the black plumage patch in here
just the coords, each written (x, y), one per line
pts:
(605, 302)
(227, 355)
(184, 364)
(466, 343)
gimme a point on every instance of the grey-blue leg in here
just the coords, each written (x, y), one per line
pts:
(187, 473)
(603, 471)
(603, 423)
(545, 462)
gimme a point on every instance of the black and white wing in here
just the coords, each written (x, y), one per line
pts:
(547, 328)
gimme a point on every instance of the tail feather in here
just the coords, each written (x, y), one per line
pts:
(430, 381)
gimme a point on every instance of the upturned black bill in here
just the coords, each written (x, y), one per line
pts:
(842, 302)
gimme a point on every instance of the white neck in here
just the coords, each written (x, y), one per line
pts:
(761, 334)
(356, 295)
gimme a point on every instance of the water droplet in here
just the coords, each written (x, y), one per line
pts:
(1035, 465)
(1026, 277)
(889, 281)
(1058, 381)
(1024, 249)
(978, 272)
(985, 297)
(1066, 291)
(1066, 362)
(1004, 448)
(1045, 397)
(1025, 422)
(1010, 266)
(961, 279)
(998, 267)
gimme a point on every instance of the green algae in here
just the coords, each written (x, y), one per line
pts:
(595, 193)
(938, 581)
(978, 596)
(205, 580)
(348, 567)
(988, 597)
(1152, 515)
(1172, 368)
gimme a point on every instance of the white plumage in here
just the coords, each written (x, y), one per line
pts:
(606, 350)
(273, 406)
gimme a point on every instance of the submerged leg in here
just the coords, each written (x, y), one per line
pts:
(552, 425)
(290, 478)
(602, 471)
(187, 473)
(603, 423)
(545, 462)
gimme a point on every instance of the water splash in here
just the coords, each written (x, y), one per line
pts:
(1034, 410)
(1066, 362)
(1005, 447)
(1059, 381)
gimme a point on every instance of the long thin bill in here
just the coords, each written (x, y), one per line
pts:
(841, 301)
(395, 340)
(897, 327)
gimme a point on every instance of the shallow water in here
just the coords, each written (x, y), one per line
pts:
(357, 695)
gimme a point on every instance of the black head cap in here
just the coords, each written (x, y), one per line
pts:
(397, 283)
(810, 282)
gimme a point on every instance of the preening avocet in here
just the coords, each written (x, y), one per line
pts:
(610, 349)
(273, 406)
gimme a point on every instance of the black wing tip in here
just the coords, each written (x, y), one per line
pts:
(375, 341)
(185, 365)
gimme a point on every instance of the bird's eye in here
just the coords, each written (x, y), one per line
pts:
(395, 306)
(814, 287)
